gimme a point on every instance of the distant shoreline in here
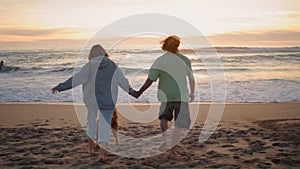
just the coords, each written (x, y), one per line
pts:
(153, 47)
(141, 103)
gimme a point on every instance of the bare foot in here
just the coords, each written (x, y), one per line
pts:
(163, 147)
(96, 148)
(91, 150)
(102, 153)
(174, 154)
(102, 160)
(91, 146)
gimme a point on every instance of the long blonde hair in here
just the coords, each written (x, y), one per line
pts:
(97, 50)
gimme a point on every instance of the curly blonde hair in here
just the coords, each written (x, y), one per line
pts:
(171, 44)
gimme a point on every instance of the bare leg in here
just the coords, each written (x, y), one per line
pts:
(102, 152)
(90, 146)
(175, 141)
(115, 135)
(164, 127)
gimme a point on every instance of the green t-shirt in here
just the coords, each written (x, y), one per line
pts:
(172, 71)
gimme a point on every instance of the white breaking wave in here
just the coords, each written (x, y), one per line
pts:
(252, 74)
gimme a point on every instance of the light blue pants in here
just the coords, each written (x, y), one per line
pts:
(91, 122)
(104, 125)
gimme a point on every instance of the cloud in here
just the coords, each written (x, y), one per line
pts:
(268, 16)
(39, 44)
(294, 14)
(258, 38)
(32, 32)
(276, 37)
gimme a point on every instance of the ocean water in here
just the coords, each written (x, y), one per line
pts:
(251, 74)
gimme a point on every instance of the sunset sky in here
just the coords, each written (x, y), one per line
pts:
(56, 23)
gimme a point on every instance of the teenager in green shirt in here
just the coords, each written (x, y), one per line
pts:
(172, 69)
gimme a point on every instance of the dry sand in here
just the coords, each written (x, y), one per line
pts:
(256, 135)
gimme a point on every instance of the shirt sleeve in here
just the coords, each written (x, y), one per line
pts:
(154, 71)
(79, 78)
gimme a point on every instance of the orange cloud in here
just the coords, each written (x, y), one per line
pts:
(258, 38)
(63, 37)
(31, 33)
(38, 44)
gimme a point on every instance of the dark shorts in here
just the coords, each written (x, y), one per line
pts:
(179, 109)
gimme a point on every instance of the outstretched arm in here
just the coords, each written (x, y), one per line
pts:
(80, 77)
(146, 85)
(124, 84)
(191, 82)
(152, 76)
(192, 88)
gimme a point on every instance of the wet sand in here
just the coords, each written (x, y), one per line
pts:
(256, 135)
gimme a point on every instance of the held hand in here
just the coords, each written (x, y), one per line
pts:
(136, 94)
(192, 97)
(54, 90)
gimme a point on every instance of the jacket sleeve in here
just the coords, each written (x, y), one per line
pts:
(79, 78)
(123, 82)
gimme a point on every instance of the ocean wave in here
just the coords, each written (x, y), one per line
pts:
(284, 58)
(211, 50)
(134, 51)
(260, 90)
(250, 73)
(128, 70)
(221, 69)
(257, 49)
(235, 50)
(8, 69)
(63, 69)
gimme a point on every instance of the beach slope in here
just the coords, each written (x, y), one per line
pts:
(249, 135)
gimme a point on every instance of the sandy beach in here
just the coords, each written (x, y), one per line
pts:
(249, 135)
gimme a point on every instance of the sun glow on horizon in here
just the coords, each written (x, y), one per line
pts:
(237, 20)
